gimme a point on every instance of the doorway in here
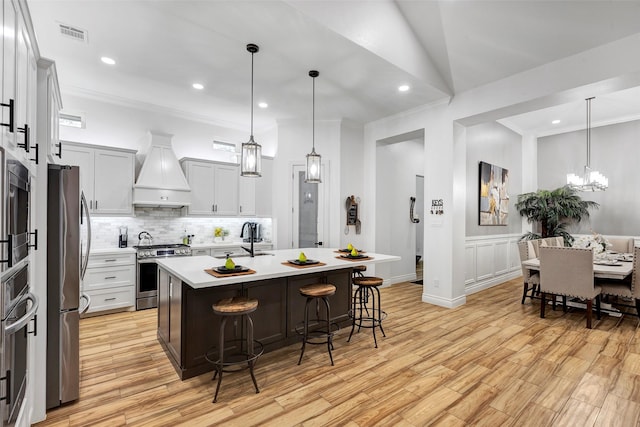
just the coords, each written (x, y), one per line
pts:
(419, 213)
(307, 212)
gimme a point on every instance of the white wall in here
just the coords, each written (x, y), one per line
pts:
(126, 127)
(294, 143)
(351, 182)
(397, 167)
(614, 153)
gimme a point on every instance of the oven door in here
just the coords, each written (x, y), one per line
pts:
(17, 211)
(147, 284)
(15, 357)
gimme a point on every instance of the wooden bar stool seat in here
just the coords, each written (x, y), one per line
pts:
(246, 349)
(367, 295)
(358, 271)
(317, 292)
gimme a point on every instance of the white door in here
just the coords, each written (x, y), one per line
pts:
(307, 211)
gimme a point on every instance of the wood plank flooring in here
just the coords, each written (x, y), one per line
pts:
(492, 362)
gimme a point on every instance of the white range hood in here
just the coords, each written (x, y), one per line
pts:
(161, 182)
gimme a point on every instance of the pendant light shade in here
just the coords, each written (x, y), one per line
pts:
(590, 180)
(313, 158)
(250, 163)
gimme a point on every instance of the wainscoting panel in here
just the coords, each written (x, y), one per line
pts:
(490, 260)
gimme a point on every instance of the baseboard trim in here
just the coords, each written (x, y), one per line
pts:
(444, 302)
(494, 281)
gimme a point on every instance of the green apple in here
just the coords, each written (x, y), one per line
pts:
(229, 264)
(302, 257)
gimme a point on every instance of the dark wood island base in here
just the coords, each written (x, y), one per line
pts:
(187, 327)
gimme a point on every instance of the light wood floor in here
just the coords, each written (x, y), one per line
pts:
(491, 362)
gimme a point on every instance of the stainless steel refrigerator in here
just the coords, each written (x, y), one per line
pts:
(68, 244)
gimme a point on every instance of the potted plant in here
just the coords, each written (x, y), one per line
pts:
(553, 210)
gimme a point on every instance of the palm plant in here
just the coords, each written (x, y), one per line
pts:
(554, 210)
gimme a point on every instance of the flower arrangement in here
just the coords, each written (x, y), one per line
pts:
(220, 232)
(595, 241)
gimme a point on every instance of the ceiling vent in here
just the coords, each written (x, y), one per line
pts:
(73, 33)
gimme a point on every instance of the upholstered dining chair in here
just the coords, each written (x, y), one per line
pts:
(568, 272)
(552, 241)
(625, 288)
(623, 245)
(531, 278)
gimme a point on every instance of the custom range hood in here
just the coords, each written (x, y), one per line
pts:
(161, 182)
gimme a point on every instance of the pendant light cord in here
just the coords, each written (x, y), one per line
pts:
(251, 96)
(589, 132)
(313, 117)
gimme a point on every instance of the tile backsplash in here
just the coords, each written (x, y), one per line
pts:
(168, 226)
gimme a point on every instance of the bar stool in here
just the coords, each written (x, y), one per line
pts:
(367, 290)
(358, 271)
(245, 352)
(318, 292)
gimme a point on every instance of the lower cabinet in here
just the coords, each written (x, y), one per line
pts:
(110, 281)
(187, 327)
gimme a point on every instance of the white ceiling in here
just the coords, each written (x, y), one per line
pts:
(363, 49)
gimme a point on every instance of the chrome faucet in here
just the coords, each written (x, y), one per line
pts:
(144, 235)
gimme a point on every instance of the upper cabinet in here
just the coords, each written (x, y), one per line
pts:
(49, 105)
(19, 87)
(214, 187)
(264, 189)
(247, 196)
(107, 176)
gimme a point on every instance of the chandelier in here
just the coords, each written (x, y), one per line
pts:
(591, 180)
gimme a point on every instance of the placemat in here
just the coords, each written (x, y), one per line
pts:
(288, 264)
(222, 275)
(355, 259)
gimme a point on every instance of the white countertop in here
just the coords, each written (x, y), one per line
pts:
(191, 269)
(113, 250)
(228, 244)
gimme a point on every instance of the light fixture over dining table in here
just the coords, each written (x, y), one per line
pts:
(591, 180)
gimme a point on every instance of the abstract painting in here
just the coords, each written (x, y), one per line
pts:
(494, 195)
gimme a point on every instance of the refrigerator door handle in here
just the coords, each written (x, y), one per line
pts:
(85, 206)
(86, 307)
(20, 323)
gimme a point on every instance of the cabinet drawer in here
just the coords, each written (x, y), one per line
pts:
(112, 298)
(106, 260)
(195, 252)
(109, 277)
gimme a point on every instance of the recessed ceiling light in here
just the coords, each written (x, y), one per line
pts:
(263, 104)
(555, 122)
(403, 88)
(198, 86)
(108, 60)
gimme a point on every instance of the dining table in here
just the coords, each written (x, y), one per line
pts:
(602, 269)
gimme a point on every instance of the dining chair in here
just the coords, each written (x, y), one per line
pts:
(568, 272)
(625, 288)
(623, 245)
(552, 241)
(531, 278)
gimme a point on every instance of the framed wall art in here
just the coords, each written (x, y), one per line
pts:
(494, 195)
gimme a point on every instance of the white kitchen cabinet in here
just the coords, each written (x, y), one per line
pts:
(49, 105)
(214, 187)
(264, 190)
(18, 86)
(247, 196)
(110, 281)
(107, 176)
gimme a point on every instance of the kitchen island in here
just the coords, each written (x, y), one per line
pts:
(187, 327)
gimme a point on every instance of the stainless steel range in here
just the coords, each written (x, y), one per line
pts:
(147, 271)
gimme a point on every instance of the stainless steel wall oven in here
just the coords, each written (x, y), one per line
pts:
(16, 187)
(18, 308)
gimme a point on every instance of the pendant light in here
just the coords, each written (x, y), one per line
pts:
(591, 180)
(313, 159)
(250, 163)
